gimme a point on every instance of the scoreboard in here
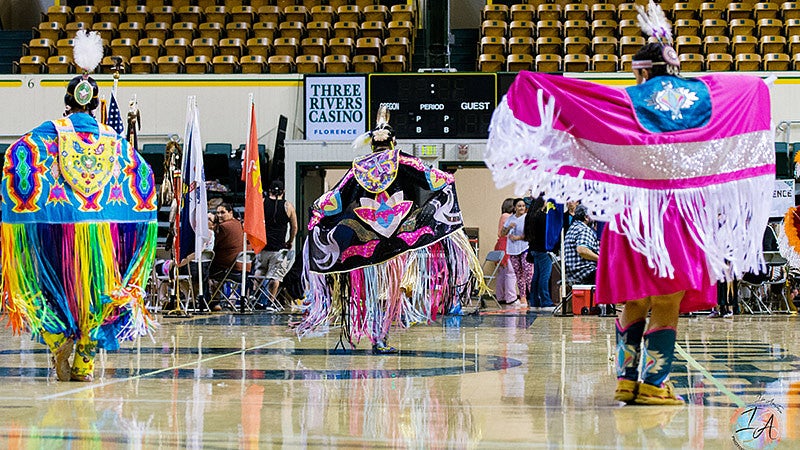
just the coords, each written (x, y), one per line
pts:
(435, 106)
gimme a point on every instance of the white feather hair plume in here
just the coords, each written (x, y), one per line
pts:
(654, 23)
(87, 50)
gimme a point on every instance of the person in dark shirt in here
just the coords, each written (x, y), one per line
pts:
(277, 257)
(535, 234)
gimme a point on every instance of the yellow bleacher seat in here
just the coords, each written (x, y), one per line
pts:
(765, 10)
(225, 64)
(239, 30)
(323, 13)
(520, 28)
(84, 13)
(137, 13)
(688, 44)
(522, 45)
(281, 64)
(769, 27)
(64, 47)
(401, 28)
(744, 27)
(163, 14)
(337, 63)
(629, 45)
(573, 45)
(216, 14)
(686, 27)
(406, 13)
(604, 11)
(123, 47)
(292, 30)
(349, 13)
(71, 28)
(397, 46)
(376, 13)
(365, 63)
(492, 62)
(714, 27)
(691, 62)
(169, 64)
(205, 47)
(747, 62)
(604, 63)
(495, 12)
(253, 64)
(548, 63)
(794, 44)
(790, 10)
(368, 46)
(716, 44)
(231, 47)
(574, 62)
(30, 64)
(625, 63)
(393, 63)
(142, 64)
(776, 62)
(604, 44)
(719, 62)
(285, 46)
(259, 46)
(60, 14)
(211, 30)
(319, 30)
(342, 46)
(316, 46)
(157, 30)
(519, 11)
(130, 30)
(772, 44)
(267, 30)
(519, 61)
(106, 30)
(296, 13)
(197, 64)
(152, 47)
(627, 11)
(60, 64)
(549, 11)
(604, 28)
(109, 64)
(43, 48)
(549, 45)
(488, 28)
(796, 61)
(548, 28)
(629, 27)
(493, 44)
(177, 47)
(576, 11)
(308, 64)
(345, 29)
(738, 10)
(575, 28)
(373, 29)
(50, 30)
(744, 44)
(270, 13)
(711, 10)
(244, 14)
(191, 14)
(683, 11)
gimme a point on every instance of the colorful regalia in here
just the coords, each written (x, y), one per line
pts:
(681, 169)
(78, 234)
(386, 245)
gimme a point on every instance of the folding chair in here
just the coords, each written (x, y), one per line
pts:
(164, 286)
(228, 289)
(493, 257)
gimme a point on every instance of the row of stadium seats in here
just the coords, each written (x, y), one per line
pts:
(224, 64)
(234, 3)
(241, 30)
(628, 45)
(690, 62)
(221, 14)
(627, 11)
(630, 27)
(154, 48)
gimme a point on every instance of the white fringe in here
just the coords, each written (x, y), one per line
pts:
(728, 219)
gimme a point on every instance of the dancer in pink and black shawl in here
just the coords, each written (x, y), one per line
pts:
(681, 169)
(386, 245)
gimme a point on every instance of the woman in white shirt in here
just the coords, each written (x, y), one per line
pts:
(517, 248)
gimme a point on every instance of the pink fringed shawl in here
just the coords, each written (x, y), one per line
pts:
(579, 140)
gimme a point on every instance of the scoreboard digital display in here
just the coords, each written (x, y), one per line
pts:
(435, 106)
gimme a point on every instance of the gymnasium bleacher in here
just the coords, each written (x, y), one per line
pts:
(598, 36)
(231, 36)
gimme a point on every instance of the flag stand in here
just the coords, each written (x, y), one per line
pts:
(174, 297)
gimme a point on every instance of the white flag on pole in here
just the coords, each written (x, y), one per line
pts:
(195, 201)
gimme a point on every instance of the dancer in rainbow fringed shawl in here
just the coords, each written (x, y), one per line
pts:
(78, 235)
(681, 169)
(386, 245)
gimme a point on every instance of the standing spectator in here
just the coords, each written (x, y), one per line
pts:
(517, 247)
(535, 233)
(581, 249)
(505, 279)
(276, 258)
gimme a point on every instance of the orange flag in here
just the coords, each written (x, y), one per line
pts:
(253, 200)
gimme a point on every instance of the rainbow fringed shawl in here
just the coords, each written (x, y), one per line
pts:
(78, 233)
(705, 143)
(386, 245)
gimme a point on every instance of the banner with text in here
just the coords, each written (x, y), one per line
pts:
(782, 197)
(335, 107)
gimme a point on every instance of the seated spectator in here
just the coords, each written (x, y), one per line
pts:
(581, 249)
(228, 240)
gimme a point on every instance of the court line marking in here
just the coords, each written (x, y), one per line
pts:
(148, 374)
(731, 396)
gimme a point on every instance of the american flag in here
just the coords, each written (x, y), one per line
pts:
(114, 120)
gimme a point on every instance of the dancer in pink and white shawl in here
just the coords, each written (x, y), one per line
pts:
(680, 168)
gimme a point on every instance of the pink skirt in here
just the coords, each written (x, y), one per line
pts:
(623, 273)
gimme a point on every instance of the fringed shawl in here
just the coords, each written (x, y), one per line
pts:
(612, 149)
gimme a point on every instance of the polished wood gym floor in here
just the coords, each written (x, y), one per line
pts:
(508, 379)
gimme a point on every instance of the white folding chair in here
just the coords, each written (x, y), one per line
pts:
(493, 257)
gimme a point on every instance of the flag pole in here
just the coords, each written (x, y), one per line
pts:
(198, 255)
(246, 169)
